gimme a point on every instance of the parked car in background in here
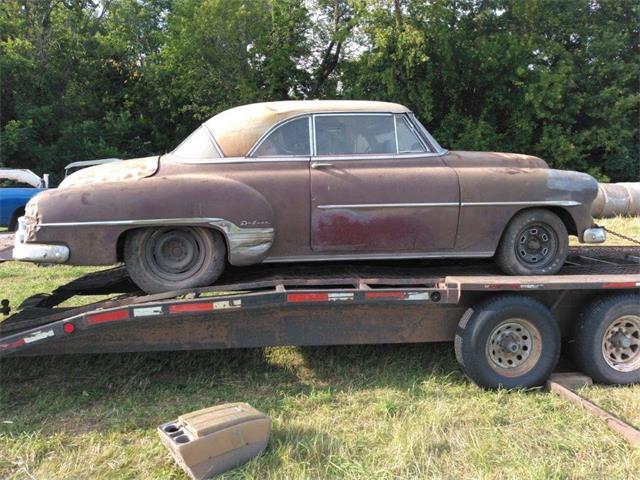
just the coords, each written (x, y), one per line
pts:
(299, 181)
(17, 187)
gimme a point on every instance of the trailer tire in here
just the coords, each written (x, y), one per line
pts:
(606, 340)
(535, 242)
(508, 341)
(174, 258)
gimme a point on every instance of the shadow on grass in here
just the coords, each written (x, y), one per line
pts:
(146, 389)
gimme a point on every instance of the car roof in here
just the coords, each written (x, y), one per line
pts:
(238, 129)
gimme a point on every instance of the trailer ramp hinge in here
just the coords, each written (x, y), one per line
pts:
(5, 309)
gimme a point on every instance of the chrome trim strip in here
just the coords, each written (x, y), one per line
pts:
(389, 205)
(378, 156)
(140, 222)
(246, 245)
(557, 203)
(376, 256)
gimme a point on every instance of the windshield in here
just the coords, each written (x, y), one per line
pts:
(198, 145)
(436, 146)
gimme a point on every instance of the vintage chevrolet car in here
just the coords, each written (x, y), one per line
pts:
(302, 181)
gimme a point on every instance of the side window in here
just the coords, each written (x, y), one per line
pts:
(197, 146)
(408, 141)
(355, 134)
(289, 139)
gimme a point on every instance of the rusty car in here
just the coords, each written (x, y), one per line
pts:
(312, 180)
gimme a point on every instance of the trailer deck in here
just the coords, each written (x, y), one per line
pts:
(305, 304)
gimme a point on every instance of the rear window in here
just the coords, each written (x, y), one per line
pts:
(289, 139)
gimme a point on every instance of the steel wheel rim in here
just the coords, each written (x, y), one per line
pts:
(621, 343)
(514, 347)
(174, 254)
(536, 245)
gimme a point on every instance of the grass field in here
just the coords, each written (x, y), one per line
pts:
(338, 412)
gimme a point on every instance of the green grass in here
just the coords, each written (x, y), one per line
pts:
(338, 412)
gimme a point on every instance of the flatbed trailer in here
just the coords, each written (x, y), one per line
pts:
(494, 319)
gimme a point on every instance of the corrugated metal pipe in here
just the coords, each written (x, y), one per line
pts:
(616, 199)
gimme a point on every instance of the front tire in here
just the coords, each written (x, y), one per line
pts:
(535, 242)
(510, 341)
(174, 258)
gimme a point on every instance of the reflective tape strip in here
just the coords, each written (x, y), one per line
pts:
(147, 311)
(108, 317)
(13, 345)
(39, 335)
(411, 296)
(307, 297)
(224, 304)
(396, 295)
(191, 307)
(621, 285)
(333, 297)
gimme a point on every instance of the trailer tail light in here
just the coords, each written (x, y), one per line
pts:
(69, 327)
(108, 317)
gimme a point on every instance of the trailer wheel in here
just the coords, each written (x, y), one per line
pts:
(509, 341)
(170, 258)
(606, 340)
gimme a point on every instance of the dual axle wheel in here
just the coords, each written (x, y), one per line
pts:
(513, 341)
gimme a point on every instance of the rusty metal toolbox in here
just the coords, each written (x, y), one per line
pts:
(210, 441)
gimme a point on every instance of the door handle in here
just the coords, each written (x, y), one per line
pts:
(317, 165)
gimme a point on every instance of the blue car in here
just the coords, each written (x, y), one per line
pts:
(13, 199)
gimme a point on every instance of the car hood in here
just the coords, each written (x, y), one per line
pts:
(494, 159)
(118, 171)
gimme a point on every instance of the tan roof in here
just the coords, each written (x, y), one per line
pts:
(238, 129)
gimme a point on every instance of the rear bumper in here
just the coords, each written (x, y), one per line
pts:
(594, 235)
(37, 252)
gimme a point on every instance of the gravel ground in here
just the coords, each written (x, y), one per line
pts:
(6, 246)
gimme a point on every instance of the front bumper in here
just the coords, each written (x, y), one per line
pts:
(37, 252)
(594, 235)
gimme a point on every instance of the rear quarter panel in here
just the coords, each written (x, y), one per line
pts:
(482, 189)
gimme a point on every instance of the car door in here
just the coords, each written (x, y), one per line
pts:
(376, 187)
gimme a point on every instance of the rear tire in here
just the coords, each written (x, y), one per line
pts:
(535, 242)
(509, 341)
(606, 340)
(174, 258)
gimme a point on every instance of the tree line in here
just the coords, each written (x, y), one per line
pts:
(86, 79)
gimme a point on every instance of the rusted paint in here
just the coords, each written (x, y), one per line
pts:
(287, 196)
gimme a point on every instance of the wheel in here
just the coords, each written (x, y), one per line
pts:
(170, 258)
(13, 223)
(535, 242)
(509, 341)
(606, 340)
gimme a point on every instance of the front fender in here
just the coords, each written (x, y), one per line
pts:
(91, 219)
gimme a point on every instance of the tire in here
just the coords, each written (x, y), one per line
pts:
(594, 340)
(174, 258)
(13, 223)
(487, 332)
(535, 242)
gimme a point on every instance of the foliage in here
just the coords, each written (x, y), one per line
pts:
(83, 79)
